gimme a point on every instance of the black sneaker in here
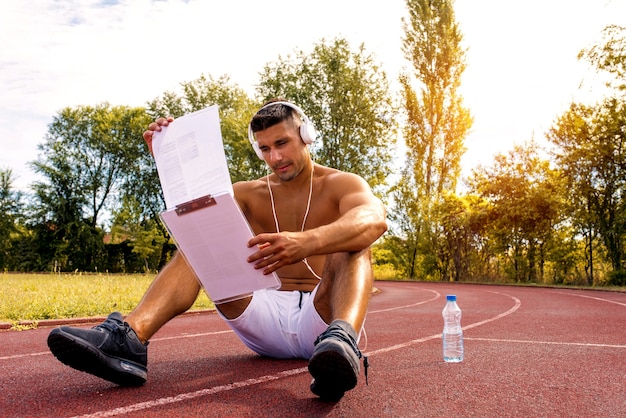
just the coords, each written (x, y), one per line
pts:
(110, 350)
(335, 362)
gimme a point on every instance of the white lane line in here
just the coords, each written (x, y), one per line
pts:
(437, 294)
(192, 395)
(517, 305)
(17, 356)
(203, 334)
(592, 297)
(250, 382)
(545, 342)
(24, 355)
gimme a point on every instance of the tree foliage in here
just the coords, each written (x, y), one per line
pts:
(590, 148)
(434, 132)
(461, 231)
(437, 122)
(85, 159)
(11, 218)
(523, 219)
(525, 208)
(346, 95)
(610, 55)
(137, 217)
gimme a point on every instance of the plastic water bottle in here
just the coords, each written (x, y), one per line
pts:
(452, 332)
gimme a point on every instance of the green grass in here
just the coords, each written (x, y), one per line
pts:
(35, 297)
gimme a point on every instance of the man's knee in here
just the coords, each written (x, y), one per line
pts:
(346, 269)
(348, 263)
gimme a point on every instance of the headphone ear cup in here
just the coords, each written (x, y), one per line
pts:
(255, 145)
(257, 150)
(307, 133)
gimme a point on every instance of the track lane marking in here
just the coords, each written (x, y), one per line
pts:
(437, 295)
(24, 355)
(545, 342)
(192, 395)
(592, 297)
(203, 334)
(517, 305)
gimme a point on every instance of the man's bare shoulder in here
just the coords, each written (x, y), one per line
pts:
(247, 190)
(342, 179)
(249, 185)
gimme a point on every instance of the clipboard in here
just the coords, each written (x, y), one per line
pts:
(202, 215)
(214, 243)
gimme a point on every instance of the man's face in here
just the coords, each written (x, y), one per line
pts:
(282, 149)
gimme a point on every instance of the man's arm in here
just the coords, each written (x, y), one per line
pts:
(362, 220)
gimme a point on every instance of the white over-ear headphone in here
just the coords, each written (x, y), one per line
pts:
(307, 130)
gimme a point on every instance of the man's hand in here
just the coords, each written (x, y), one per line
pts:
(276, 251)
(155, 126)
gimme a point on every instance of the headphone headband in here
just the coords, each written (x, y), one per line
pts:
(307, 130)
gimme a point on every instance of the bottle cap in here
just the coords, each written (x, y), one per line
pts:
(451, 298)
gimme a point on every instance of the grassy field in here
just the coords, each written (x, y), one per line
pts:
(34, 297)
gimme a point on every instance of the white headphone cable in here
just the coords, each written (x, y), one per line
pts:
(306, 214)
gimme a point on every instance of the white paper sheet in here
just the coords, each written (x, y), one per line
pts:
(191, 163)
(190, 157)
(214, 241)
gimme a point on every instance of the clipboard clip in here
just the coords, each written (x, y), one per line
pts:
(195, 204)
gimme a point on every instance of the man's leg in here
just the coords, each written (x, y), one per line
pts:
(116, 350)
(172, 292)
(345, 290)
(341, 300)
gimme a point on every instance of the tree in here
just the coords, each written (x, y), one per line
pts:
(346, 95)
(590, 149)
(525, 209)
(10, 218)
(461, 229)
(610, 55)
(86, 157)
(436, 126)
(145, 237)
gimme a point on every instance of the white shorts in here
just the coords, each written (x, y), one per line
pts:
(279, 324)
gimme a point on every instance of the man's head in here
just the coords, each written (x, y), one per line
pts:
(277, 111)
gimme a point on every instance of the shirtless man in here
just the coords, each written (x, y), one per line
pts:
(314, 226)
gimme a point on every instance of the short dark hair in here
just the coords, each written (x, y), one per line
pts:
(270, 115)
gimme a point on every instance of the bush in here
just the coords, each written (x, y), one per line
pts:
(384, 272)
(617, 278)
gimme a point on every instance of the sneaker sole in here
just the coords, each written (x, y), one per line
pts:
(333, 375)
(81, 355)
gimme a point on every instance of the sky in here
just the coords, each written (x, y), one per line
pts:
(522, 67)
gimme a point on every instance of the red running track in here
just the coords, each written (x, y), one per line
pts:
(528, 352)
